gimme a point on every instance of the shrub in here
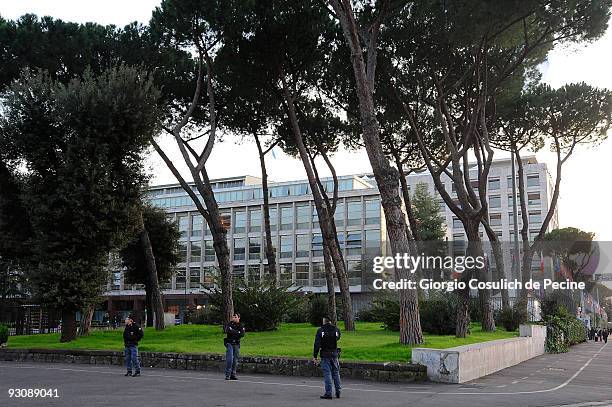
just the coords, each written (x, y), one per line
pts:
(299, 312)
(205, 316)
(4, 334)
(386, 309)
(438, 313)
(366, 315)
(261, 306)
(317, 309)
(475, 310)
(563, 330)
(510, 318)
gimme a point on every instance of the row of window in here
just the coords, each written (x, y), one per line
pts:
(300, 273)
(245, 194)
(495, 219)
(493, 184)
(299, 246)
(286, 217)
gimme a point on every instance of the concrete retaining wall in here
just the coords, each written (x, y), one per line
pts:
(469, 362)
(387, 372)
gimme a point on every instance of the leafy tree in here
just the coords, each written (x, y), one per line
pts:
(198, 26)
(573, 247)
(164, 236)
(430, 223)
(81, 145)
(289, 71)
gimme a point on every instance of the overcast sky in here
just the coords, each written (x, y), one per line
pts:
(585, 199)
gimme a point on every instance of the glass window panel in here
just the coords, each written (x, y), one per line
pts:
(196, 225)
(317, 245)
(286, 247)
(239, 248)
(255, 220)
(353, 243)
(495, 201)
(286, 217)
(302, 246)
(254, 248)
(209, 251)
(353, 213)
(339, 215)
(273, 218)
(533, 180)
(183, 223)
(302, 271)
(286, 273)
(494, 184)
(372, 241)
(302, 216)
(226, 220)
(196, 252)
(318, 274)
(239, 222)
(372, 211)
(254, 273)
(182, 252)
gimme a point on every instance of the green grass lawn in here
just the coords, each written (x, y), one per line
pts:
(369, 343)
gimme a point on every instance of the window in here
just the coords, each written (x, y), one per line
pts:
(302, 216)
(533, 198)
(238, 272)
(286, 272)
(286, 217)
(226, 220)
(302, 271)
(353, 243)
(533, 180)
(255, 220)
(494, 184)
(302, 246)
(511, 220)
(196, 252)
(372, 242)
(317, 245)
(457, 223)
(535, 217)
(194, 277)
(254, 274)
(286, 247)
(353, 213)
(495, 219)
(209, 274)
(495, 201)
(318, 274)
(354, 271)
(442, 206)
(273, 218)
(239, 222)
(180, 279)
(254, 248)
(196, 225)
(209, 251)
(182, 252)
(339, 215)
(372, 211)
(239, 248)
(511, 201)
(315, 217)
(183, 223)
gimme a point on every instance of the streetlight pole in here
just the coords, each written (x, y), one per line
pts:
(515, 263)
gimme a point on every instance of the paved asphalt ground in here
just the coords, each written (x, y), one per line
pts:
(580, 378)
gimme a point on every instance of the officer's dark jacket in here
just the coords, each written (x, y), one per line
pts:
(234, 332)
(132, 334)
(319, 344)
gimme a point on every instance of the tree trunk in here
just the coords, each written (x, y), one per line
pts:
(331, 289)
(328, 230)
(269, 247)
(149, 305)
(85, 323)
(69, 326)
(386, 177)
(152, 280)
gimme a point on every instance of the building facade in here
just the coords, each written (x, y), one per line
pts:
(296, 235)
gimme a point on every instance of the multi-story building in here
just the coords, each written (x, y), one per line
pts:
(296, 234)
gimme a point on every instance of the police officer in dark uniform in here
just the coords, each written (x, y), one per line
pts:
(234, 331)
(326, 342)
(132, 334)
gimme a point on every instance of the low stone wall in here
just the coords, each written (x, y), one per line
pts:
(464, 363)
(387, 372)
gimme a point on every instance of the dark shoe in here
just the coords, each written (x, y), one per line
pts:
(233, 378)
(327, 397)
(136, 374)
(227, 378)
(337, 394)
(128, 374)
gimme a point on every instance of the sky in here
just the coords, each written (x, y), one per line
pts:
(586, 189)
